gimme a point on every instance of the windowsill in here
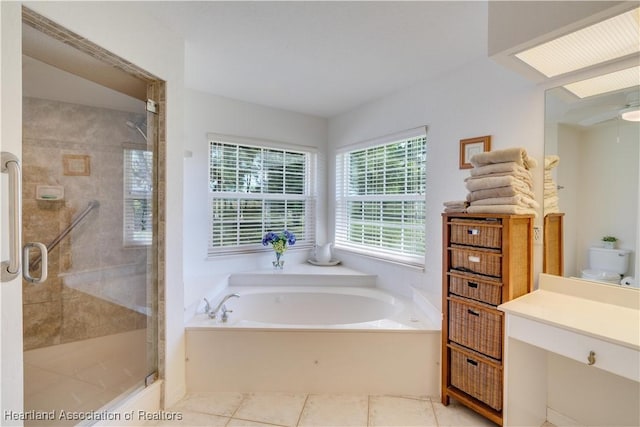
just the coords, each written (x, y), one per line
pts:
(380, 258)
(304, 274)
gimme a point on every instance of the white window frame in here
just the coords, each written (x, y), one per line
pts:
(132, 235)
(304, 239)
(410, 250)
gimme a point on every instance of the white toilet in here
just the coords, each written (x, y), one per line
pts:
(606, 265)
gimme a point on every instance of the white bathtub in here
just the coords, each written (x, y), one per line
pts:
(329, 339)
(315, 307)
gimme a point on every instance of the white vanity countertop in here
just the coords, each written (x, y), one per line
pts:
(616, 320)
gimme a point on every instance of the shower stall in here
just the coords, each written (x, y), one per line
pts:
(89, 329)
(89, 194)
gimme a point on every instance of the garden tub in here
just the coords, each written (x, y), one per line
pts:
(332, 339)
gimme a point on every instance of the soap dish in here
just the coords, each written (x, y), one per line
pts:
(50, 192)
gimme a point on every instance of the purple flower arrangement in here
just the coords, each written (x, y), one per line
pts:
(279, 241)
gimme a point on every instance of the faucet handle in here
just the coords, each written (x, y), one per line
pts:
(225, 313)
(207, 309)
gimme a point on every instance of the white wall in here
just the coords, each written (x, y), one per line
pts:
(568, 177)
(204, 114)
(124, 30)
(10, 140)
(479, 99)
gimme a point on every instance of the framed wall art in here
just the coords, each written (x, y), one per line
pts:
(470, 147)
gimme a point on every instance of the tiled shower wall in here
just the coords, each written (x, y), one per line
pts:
(96, 286)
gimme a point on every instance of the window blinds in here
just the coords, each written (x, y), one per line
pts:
(138, 197)
(380, 200)
(256, 189)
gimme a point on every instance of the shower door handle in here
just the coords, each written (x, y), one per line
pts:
(11, 166)
(11, 268)
(43, 262)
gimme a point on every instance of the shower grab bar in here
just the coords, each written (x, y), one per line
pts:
(92, 204)
(11, 166)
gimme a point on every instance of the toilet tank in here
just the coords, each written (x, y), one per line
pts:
(613, 260)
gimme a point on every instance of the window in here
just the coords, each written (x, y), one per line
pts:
(138, 197)
(380, 198)
(255, 188)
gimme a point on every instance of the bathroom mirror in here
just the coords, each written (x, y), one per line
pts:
(597, 177)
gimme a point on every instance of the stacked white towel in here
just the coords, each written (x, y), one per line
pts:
(456, 206)
(550, 193)
(501, 182)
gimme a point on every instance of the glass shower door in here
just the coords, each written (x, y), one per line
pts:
(90, 330)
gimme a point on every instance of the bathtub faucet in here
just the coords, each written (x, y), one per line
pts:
(213, 314)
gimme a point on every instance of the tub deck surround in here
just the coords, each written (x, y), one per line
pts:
(303, 274)
(584, 326)
(330, 332)
(316, 297)
(315, 361)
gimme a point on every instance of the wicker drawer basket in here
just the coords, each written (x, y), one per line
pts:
(475, 233)
(476, 261)
(476, 327)
(477, 377)
(468, 286)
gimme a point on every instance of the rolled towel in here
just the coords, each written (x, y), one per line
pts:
(524, 177)
(455, 203)
(550, 188)
(498, 168)
(506, 191)
(551, 161)
(485, 183)
(549, 196)
(456, 206)
(456, 210)
(519, 200)
(517, 155)
(551, 209)
(551, 201)
(503, 209)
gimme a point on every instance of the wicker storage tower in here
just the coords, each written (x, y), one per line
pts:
(487, 260)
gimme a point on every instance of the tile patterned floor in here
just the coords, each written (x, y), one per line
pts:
(318, 410)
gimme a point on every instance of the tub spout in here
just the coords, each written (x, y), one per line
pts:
(207, 306)
(222, 308)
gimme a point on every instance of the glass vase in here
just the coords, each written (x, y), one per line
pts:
(278, 264)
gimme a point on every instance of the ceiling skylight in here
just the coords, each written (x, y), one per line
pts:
(610, 39)
(617, 80)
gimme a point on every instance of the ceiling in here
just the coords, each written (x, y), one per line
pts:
(321, 58)
(318, 58)
(41, 80)
(564, 107)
